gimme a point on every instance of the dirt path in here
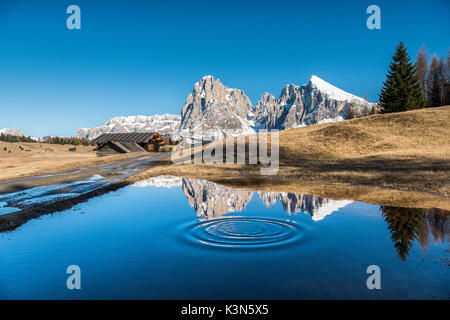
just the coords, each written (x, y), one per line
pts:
(21, 160)
(110, 172)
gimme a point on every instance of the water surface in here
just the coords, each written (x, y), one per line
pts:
(172, 238)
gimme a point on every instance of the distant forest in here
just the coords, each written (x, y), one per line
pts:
(12, 138)
(48, 139)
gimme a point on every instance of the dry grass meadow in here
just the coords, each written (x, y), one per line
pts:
(25, 159)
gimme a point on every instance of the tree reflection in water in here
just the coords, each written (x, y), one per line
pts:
(409, 224)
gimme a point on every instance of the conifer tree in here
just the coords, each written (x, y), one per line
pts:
(401, 91)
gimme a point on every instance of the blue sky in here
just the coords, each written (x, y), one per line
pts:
(132, 57)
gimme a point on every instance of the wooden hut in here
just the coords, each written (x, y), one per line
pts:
(114, 143)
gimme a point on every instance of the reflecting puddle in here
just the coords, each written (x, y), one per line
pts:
(211, 201)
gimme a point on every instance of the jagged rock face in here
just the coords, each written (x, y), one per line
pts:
(216, 110)
(307, 105)
(165, 124)
(292, 111)
(313, 103)
(266, 115)
(211, 200)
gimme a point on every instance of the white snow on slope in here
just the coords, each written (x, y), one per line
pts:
(163, 124)
(334, 92)
(12, 131)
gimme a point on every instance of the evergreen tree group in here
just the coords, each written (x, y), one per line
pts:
(64, 140)
(402, 90)
(413, 86)
(13, 138)
(48, 139)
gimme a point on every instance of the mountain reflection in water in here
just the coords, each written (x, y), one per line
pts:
(211, 200)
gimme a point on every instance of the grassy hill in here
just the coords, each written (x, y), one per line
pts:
(419, 133)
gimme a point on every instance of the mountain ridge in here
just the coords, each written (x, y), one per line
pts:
(313, 103)
(210, 108)
(164, 124)
(214, 111)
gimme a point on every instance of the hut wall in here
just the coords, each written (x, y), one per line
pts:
(108, 149)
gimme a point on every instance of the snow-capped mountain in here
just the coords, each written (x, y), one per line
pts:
(214, 111)
(12, 131)
(163, 124)
(312, 103)
(222, 112)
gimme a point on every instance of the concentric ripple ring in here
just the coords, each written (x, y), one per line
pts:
(244, 232)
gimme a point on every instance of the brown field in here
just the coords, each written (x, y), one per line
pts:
(33, 160)
(393, 159)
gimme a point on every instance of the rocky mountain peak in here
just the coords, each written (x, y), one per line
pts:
(216, 111)
(289, 95)
(266, 107)
(208, 88)
(267, 98)
(312, 103)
